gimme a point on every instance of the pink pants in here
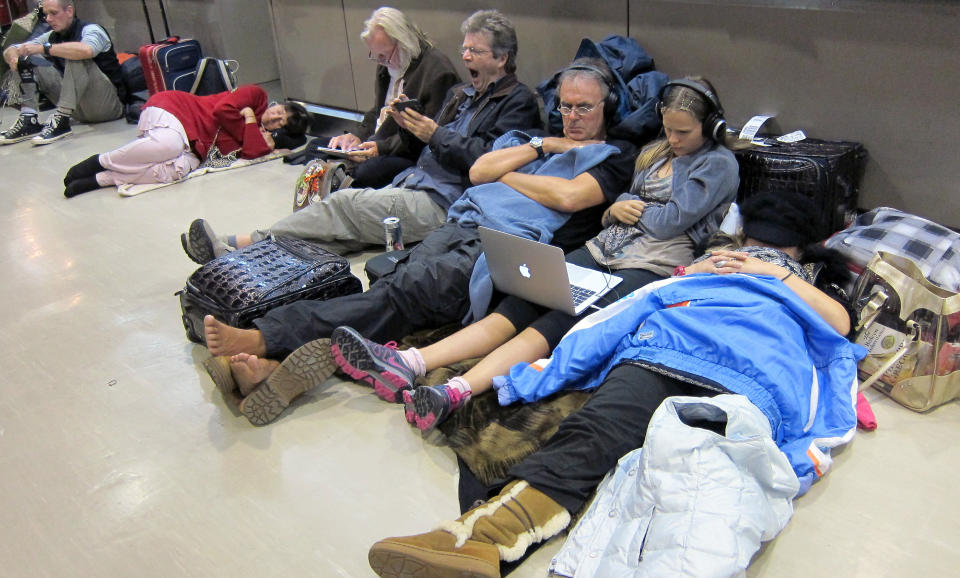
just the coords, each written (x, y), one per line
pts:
(160, 154)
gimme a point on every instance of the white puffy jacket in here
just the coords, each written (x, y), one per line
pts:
(691, 502)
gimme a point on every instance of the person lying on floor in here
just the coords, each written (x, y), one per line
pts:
(682, 187)
(473, 115)
(178, 129)
(745, 322)
(540, 198)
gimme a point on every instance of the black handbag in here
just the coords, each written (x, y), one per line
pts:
(829, 172)
(243, 285)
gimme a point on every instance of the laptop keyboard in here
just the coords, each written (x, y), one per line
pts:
(580, 294)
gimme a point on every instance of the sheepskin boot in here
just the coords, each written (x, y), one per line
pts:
(473, 545)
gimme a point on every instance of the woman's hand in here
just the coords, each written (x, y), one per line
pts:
(344, 142)
(723, 262)
(248, 114)
(627, 212)
(268, 138)
(720, 261)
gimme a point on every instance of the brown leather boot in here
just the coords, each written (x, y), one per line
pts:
(474, 544)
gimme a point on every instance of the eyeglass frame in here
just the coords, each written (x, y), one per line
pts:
(387, 60)
(474, 51)
(580, 109)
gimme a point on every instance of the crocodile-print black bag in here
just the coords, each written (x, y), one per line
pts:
(828, 172)
(241, 286)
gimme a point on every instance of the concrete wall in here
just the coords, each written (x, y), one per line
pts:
(882, 72)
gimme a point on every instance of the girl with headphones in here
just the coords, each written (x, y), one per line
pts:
(682, 186)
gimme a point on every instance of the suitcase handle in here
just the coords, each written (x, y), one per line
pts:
(166, 26)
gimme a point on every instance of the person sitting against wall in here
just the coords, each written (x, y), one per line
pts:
(178, 129)
(74, 65)
(544, 189)
(473, 115)
(408, 66)
(682, 187)
(746, 321)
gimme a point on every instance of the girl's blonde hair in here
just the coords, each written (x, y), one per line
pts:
(687, 100)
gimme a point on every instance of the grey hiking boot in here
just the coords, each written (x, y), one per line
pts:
(201, 244)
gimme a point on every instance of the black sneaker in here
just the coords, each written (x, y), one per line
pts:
(26, 126)
(56, 128)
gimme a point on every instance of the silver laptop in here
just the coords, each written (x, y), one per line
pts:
(538, 273)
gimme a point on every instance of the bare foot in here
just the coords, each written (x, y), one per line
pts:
(223, 339)
(249, 370)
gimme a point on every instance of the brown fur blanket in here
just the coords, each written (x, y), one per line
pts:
(488, 437)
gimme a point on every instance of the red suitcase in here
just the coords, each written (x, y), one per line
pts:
(170, 64)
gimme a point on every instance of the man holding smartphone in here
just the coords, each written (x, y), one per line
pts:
(473, 115)
(407, 63)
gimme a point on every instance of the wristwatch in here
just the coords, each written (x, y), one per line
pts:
(537, 144)
(46, 49)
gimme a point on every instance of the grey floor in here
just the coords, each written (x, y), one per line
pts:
(120, 458)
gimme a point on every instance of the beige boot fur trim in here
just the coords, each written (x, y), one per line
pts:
(463, 528)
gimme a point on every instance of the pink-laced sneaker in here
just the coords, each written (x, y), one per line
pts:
(427, 406)
(379, 366)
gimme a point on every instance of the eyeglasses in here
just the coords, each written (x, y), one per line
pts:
(380, 59)
(581, 109)
(473, 51)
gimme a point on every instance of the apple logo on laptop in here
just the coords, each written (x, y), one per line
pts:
(525, 271)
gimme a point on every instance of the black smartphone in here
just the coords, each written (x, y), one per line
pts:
(412, 104)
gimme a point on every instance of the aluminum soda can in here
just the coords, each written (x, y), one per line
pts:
(393, 234)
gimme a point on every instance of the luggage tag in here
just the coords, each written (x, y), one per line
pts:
(750, 130)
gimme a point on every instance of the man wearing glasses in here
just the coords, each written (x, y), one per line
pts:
(407, 63)
(473, 115)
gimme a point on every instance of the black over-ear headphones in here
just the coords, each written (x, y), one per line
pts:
(612, 102)
(714, 124)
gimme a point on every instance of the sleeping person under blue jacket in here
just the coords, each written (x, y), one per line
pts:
(748, 322)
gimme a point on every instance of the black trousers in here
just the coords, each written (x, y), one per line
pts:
(429, 288)
(378, 172)
(589, 442)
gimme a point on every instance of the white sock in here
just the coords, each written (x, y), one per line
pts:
(460, 385)
(414, 360)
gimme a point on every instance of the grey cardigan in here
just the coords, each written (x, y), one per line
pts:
(707, 178)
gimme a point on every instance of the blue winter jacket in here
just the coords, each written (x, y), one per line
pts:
(746, 334)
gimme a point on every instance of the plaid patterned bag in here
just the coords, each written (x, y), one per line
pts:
(933, 248)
